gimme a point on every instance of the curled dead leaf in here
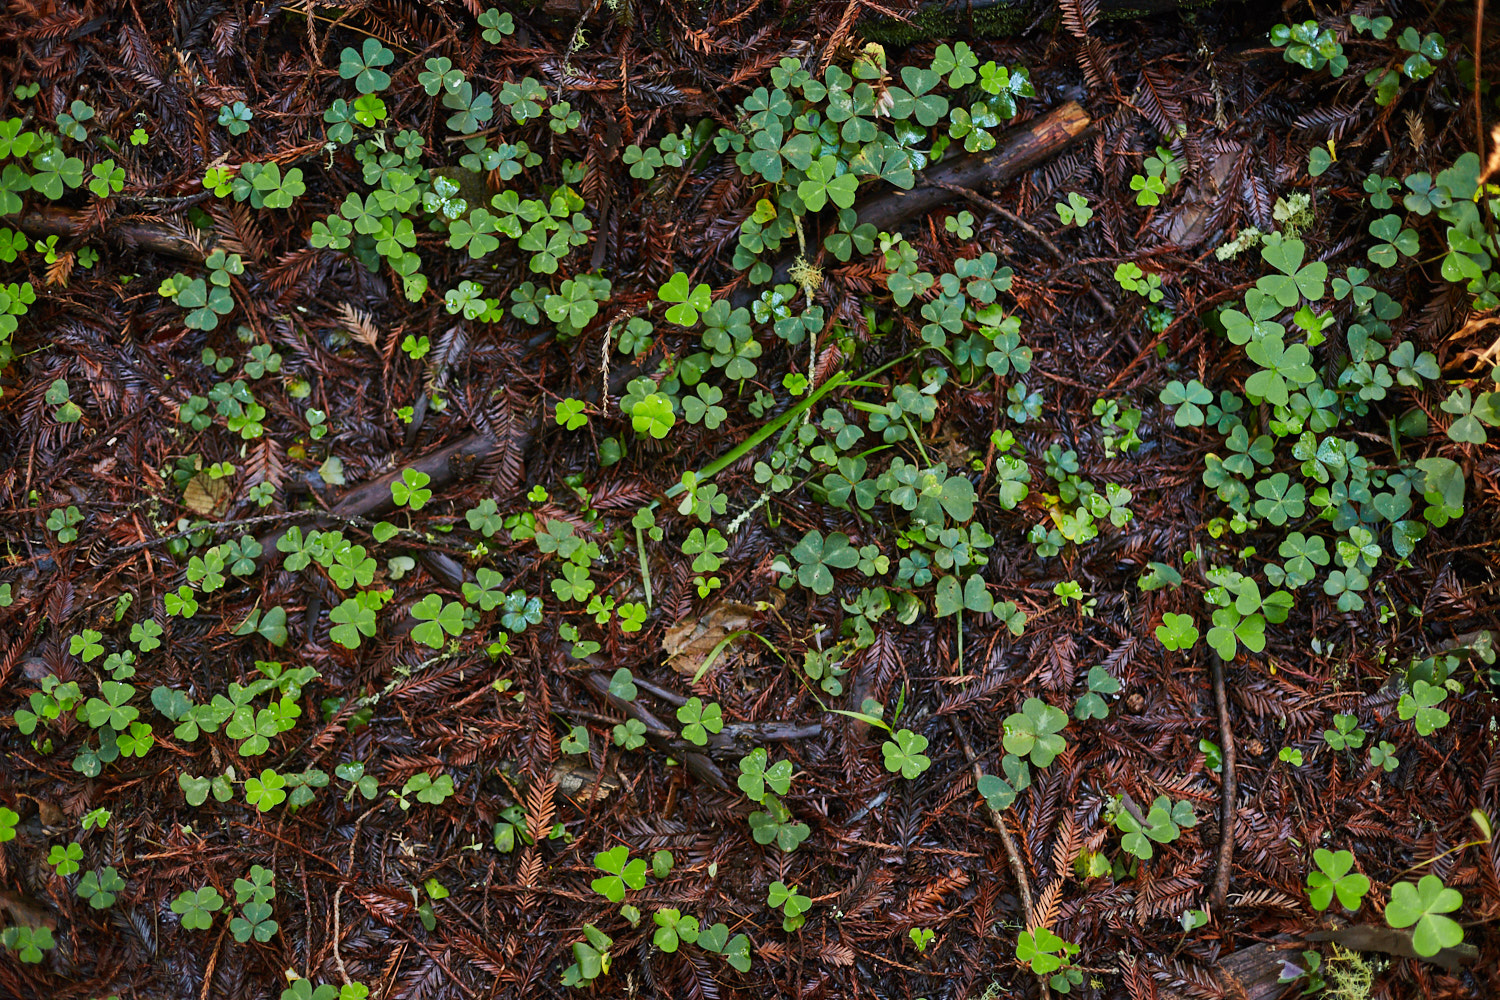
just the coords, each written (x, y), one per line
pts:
(689, 644)
(576, 780)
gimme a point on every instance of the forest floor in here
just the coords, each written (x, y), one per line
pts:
(369, 625)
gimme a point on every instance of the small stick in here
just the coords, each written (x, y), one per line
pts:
(1227, 791)
(697, 762)
(671, 697)
(1016, 867)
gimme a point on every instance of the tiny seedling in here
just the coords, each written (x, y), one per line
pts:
(591, 958)
(1191, 920)
(791, 902)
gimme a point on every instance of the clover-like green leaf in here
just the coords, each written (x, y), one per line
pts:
(756, 775)
(817, 557)
(903, 754)
(1033, 732)
(791, 902)
(1334, 877)
(255, 922)
(197, 907)
(775, 825)
(1281, 499)
(825, 184)
(690, 302)
(1177, 631)
(363, 66)
(671, 928)
(1296, 279)
(1424, 906)
(621, 873)
(699, 720)
(100, 886)
(1092, 704)
(64, 859)
(1189, 400)
(1420, 706)
(436, 618)
(409, 489)
(1397, 241)
(265, 792)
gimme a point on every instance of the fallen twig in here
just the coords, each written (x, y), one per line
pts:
(698, 763)
(1367, 937)
(51, 220)
(1226, 790)
(444, 466)
(1017, 868)
(1019, 149)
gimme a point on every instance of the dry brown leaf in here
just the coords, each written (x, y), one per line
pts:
(1476, 326)
(689, 644)
(1188, 225)
(204, 494)
(575, 779)
(24, 911)
(48, 812)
